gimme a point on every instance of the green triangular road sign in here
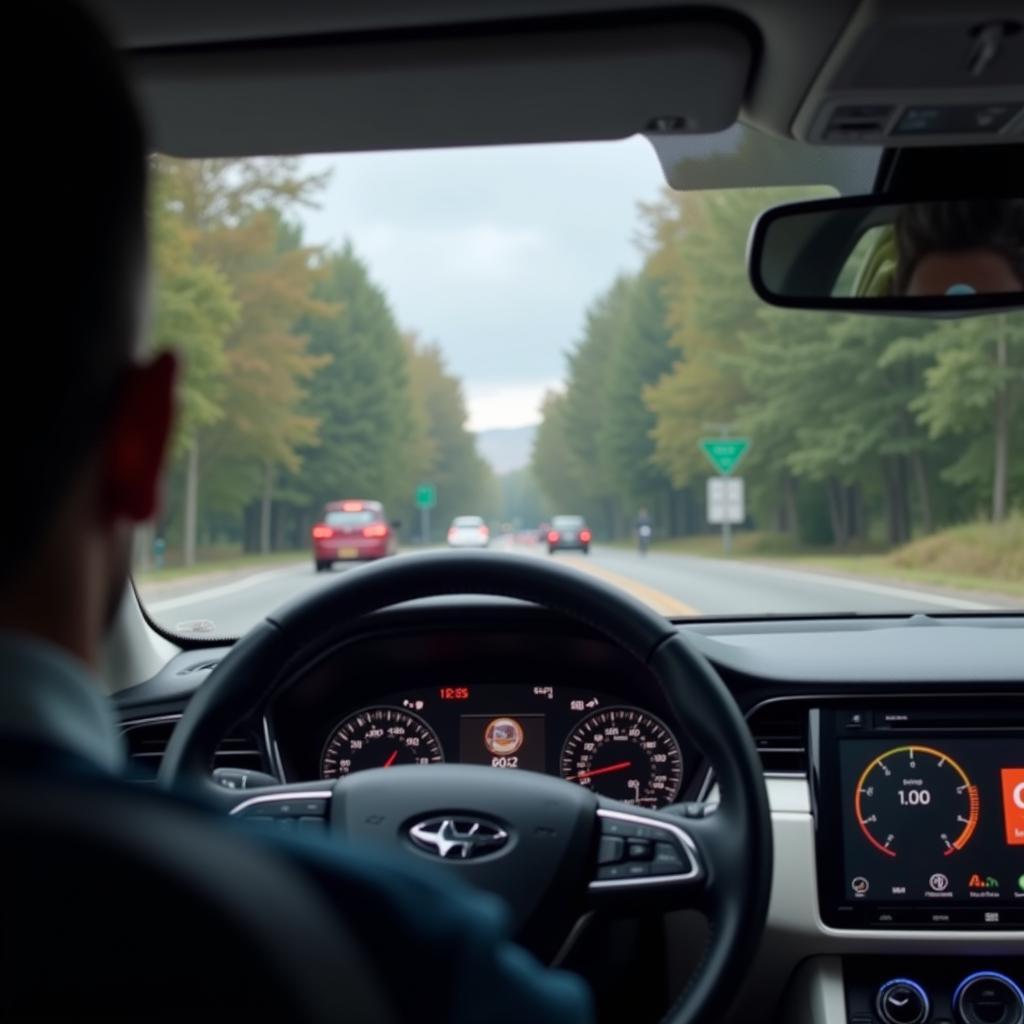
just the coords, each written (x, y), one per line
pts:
(725, 453)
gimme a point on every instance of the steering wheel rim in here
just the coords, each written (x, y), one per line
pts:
(734, 842)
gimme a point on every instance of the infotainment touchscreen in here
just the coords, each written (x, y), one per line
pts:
(920, 826)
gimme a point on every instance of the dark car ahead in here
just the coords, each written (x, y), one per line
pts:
(352, 530)
(569, 533)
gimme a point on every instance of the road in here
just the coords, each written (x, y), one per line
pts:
(673, 584)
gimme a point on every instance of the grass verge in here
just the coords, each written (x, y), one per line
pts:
(975, 556)
(208, 566)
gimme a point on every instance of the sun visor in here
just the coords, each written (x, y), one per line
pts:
(744, 157)
(535, 82)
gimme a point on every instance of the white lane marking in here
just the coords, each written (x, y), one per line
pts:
(807, 576)
(214, 592)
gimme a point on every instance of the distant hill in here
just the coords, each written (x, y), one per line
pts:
(506, 448)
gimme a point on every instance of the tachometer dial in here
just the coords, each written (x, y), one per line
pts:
(916, 800)
(378, 738)
(626, 754)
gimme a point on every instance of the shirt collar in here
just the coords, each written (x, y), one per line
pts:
(47, 695)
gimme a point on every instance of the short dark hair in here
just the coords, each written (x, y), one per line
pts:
(79, 258)
(921, 228)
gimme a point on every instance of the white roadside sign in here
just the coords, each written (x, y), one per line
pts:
(725, 500)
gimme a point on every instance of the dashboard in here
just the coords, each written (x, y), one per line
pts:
(894, 761)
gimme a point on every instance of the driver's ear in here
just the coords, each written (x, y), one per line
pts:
(137, 439)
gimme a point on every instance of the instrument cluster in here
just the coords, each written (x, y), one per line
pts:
(592, 738)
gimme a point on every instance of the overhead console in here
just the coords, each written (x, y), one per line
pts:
(906, 73)
(919, 814)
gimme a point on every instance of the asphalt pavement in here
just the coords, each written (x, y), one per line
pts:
(673, 584)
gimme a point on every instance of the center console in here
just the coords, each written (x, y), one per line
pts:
(934, 990)
(919, 815)
(919, 827)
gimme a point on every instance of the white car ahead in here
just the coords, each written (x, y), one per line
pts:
(468, 532)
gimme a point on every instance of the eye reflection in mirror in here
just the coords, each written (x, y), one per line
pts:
(868, 253)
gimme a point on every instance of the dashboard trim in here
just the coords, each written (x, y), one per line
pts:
(267, 798)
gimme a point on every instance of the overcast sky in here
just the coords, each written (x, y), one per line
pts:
(494, 253)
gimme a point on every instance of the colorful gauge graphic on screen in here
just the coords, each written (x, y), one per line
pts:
(913, 801)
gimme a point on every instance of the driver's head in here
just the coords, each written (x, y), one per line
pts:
(961, 247)
(85, 417)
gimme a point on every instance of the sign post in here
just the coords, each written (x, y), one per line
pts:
(725, 505)
(426, 499)
(725, 493)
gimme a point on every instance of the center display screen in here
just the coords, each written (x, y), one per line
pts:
(926, 827)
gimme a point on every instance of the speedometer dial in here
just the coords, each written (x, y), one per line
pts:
(625, 754)
(378, 737)
(916, 800)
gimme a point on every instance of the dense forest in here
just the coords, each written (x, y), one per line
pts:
(298, 386)
(862, 428)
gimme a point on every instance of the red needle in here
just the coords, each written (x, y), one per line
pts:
(391, 760)
(600, 771)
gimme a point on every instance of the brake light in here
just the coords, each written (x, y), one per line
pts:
(322, 532)
(376, 530)
(553, 536)
(585, 536)
(453, 533)
(351, 506)
(485, 531)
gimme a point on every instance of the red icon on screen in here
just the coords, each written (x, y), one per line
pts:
(1013, 805)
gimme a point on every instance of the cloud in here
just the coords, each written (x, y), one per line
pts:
(507, 405)
(495, 253)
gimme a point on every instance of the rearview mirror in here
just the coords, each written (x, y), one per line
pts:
(876, 255)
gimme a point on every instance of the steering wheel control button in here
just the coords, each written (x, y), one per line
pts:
(639, 849)
(611, 850)
(988, 997)
(629, 829)
(286, 812)
(668, 860)
(634, 851)
(902, 1001)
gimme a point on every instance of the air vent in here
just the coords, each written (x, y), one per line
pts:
(147, 740)
(780, 734)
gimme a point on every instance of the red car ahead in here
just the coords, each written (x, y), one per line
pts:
(352, 530)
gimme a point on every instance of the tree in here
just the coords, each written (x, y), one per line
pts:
(464, 481)
(230, 214)
(194, 313)
(640, 355)
(360, 398)
(973, 392)
(552, 460)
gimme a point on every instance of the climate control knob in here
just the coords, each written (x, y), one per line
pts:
(988, 997)
(902, 1001)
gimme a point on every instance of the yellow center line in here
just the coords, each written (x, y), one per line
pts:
(661, 602)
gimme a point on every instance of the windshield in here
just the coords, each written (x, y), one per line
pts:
(511, 332)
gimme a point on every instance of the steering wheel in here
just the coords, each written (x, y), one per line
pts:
(551, 848)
